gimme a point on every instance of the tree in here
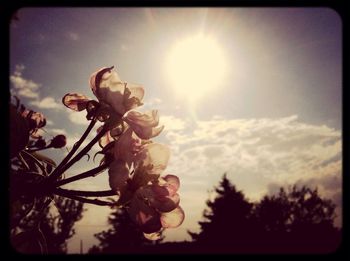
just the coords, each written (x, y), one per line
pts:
(298, 220)
(57, 228)
(293, 221)
(227, 223)
(124, 236)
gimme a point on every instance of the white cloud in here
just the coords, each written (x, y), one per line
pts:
(77, 117)
(56, 131)
(171, 123)
(47, 103)
(23, 87)
(256, 153)
(73, 36)
(152, 103)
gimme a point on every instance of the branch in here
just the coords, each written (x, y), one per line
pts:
(86, 200)
(60, 168)
(103, 193)
(89, 173)
(82, 152)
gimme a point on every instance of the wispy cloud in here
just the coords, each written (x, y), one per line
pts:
(55, 131)
(47, 103)
(256, 153)
(73, 36)
(24, 87)
(171, 123)
(77, 117)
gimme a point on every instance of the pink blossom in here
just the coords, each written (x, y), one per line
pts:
(108, 88)
(155, 207)
(75, 101)
(144, 124)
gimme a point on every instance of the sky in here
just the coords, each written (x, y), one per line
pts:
(271, 118)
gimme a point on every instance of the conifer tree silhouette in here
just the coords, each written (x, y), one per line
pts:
(293, 221)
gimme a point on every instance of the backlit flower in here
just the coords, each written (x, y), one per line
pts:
(108, 88)
(145, 125)
(156, 206)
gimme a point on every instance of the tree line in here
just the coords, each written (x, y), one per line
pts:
(295, 220)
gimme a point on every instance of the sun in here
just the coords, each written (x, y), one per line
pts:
(196, 66)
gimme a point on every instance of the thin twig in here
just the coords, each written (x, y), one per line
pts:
(86, 200)
(89, 173)
(83, 151)
(58, 171)
(103, 193)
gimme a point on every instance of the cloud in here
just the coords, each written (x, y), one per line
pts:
(23, 87)
(47, 103)
(73, 36)
(57, 131)
(259, 155)
(171, 123)
(152, 102)
(77, 117)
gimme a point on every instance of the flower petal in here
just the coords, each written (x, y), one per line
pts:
(172, 183)
(133, 96)
(118, 175)
(96, 77)
(145, 216)
(152, 236)
(75, 101)
(166, 204)
(144, 123)
(173, 219)
(127, 146)
(147, 119)
(154, 157)
(108, 88)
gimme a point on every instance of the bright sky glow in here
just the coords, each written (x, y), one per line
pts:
(195, 66)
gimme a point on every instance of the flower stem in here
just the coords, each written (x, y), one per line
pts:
(85, 200)
(83, 151)
(89, 173)
(60, 168)
(103, 193)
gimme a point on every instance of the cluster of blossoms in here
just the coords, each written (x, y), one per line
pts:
(135, 163)
(27, 133)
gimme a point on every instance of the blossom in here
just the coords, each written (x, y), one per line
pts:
(108, 88)
(75, 101)
(118, 173)
(145, 125)
(155, 207)
(36, 121)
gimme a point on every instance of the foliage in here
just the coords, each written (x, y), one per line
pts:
(295, 221)
(134, 162)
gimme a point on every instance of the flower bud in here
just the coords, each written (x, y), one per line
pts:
(58, 142)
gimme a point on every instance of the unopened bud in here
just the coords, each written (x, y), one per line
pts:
(59, 141)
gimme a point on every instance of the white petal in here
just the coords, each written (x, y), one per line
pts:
(118, 175)
(156, 156)
(173, 219)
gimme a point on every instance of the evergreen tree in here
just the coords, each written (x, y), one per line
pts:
(297, 221)
(227, 221)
